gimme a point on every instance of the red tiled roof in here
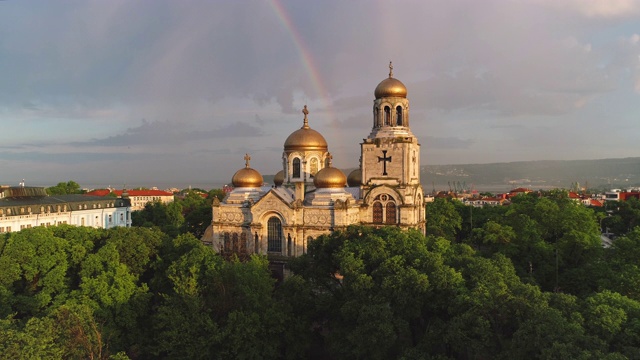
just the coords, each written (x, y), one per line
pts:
(520, 190)
(144, 193)
(595, 202)
(573, 195)
(99, 192)
(105, 192)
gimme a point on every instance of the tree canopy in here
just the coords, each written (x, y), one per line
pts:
(527, 281)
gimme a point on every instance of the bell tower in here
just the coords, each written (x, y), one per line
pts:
(390, 159)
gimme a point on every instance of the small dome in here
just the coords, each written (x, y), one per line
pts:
(355, 178)
(247, 177)
(305, 138)
(390, 87)
(279, 178)
(329, 177)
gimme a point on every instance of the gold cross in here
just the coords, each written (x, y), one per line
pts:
(306, 121)
(246, 160)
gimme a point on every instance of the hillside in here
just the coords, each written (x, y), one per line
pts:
(603, 173)
(543, 174)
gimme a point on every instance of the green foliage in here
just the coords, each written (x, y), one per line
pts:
(188, 214)
(443, 219)
(217, 309)
(528, 281)
(624, 216)
(70, 187)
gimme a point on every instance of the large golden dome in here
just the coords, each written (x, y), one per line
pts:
(329, 177)
(355, 178)
(390, 87)
(247, 177)
(279, 178)
(305, 138)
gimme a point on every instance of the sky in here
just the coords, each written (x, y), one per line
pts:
(158, 93)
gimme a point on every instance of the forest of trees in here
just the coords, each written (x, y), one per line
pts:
(525, 281)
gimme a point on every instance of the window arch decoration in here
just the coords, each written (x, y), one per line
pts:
(385, 210)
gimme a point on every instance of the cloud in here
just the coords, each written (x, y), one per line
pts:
(446, 142)
(166, 133)
(598, 8)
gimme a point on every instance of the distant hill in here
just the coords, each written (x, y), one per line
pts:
(544, 174)
(603, 173)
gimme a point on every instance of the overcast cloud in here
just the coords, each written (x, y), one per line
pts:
(176, 92)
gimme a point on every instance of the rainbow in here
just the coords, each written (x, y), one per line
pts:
(312, 70)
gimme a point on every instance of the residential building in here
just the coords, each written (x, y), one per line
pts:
(139, 198)
(25, 207)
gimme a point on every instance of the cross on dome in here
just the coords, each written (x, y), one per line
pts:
(246, 160)
(390, 69)
(330, 158)
(306, 120)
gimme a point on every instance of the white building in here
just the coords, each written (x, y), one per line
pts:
(25, 207)
(139, 198)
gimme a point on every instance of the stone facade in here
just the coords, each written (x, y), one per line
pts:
(281, 221)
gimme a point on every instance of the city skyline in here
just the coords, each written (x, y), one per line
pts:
(131, 92)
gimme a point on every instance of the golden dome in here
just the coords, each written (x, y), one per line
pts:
(355, 178)
(305, 138)
(390, 87)
(329, 177)
(247, 177)
(279, 178)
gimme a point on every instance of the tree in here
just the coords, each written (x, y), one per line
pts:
(443, 219)
(377, 291)
(217, 309)
(34, 267)
(70, 187)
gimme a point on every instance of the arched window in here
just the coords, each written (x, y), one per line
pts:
(387, 115)
(309, 240)
(377, 212)
(274, 235)
(399, 116)
(236, 246)
(391, 213)
(313, 166)
(289, 244)
(243, 243)
(376, 118)
(296, 167)
(227, 242)
(256, 243)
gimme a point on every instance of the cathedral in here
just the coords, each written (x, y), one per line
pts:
(310, 197)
